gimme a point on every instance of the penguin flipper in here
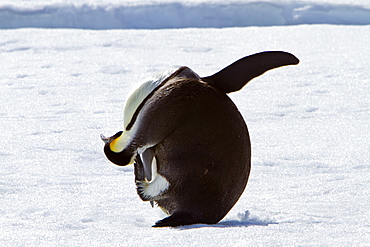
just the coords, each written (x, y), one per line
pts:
(139, 169)
(148, 156)
(238, 74)
(140, 177)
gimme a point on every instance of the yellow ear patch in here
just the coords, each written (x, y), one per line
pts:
(120, 143)
(114, 145)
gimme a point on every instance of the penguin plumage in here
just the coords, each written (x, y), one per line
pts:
(189, 142)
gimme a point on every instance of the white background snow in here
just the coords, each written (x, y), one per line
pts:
(309, 124)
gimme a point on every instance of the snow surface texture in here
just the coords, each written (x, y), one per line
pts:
(179, 14)
(309, 126)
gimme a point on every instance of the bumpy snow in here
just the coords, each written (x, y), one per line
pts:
(180, 14)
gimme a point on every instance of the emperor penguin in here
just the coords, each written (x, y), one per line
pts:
(189, 143)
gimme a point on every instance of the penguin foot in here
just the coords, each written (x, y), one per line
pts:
(177, 219)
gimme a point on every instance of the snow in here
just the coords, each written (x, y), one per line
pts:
(309, 127)
(180, 14)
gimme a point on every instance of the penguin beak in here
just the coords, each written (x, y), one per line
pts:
(105, 139)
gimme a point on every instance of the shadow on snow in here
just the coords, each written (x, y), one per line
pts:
(244, 220)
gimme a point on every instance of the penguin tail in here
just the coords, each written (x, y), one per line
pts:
(238, 74)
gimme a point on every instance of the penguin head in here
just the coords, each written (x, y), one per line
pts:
(118, 150)
(122, 148)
